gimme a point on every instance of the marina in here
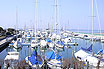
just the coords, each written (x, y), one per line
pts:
(25, 48)
(37, 36)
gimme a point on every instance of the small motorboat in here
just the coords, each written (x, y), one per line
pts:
(11, 60)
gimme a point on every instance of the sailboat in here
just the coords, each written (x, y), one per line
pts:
(43, 43)
(68, 42)
(11, 60)
(50, 43)
(102, 40)
(85, 54)
(60, 44)
(53, 60)
(16, 44)
(35, 61)
(88, 57)
(34, 43)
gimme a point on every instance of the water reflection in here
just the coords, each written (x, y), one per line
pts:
(66, 52)
(10, 49)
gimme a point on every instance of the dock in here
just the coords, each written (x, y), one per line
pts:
(5, 42)
(100, 36)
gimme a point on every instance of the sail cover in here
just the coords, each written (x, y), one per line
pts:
(48, 40)
(58, 57)
(60, 42)
(34, 59)
(88, 49)
(100, 51)
(34, 53)
(50, 55)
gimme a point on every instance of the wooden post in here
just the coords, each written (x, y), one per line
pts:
(0, 66)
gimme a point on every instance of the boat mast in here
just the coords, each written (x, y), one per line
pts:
(16, 20)
(98, 16)
(92, 20)
(98, 19)
(92, 23)
(56, 22)
(36, 18)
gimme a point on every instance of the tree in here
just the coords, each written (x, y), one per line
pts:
(1, 29)
(8, 33)
(11, 30)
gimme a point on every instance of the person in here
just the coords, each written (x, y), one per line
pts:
(87, 64)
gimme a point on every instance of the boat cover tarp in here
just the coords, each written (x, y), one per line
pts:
(81, 54)
(88, 49)
(34, 53)
(100, 51)
(48, 40)
(58, 57)
(30, 30)
(33, 59)
(28, 36)
(50, 55)
(60, 42)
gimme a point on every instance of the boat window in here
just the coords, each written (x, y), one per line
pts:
(13, 54)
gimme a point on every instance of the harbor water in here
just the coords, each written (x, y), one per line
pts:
(66, 53)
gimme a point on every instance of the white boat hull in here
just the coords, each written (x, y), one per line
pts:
(54, 64)
(83, 56)
(33, 66)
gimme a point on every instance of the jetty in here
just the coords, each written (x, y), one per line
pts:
(5, 42)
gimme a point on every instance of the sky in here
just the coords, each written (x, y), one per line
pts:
(72, 14)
